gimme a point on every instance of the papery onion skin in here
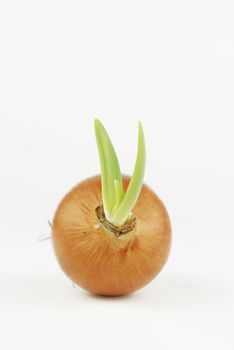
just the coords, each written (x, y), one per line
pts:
(95, 258)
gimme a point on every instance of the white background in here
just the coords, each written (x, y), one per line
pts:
(168, 63)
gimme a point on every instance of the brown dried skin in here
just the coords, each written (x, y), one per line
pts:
(94, 257)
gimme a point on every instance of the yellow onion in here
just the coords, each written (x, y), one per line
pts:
(105, 258)
(94, 257)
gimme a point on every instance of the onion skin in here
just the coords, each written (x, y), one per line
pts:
(94, 258)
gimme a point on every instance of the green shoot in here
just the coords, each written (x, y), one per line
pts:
(119, 194)
(110, 169)
(117, 204)
(134, 187)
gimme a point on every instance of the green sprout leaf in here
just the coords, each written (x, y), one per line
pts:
(117, 204)
(119, 194)
(124, 210)
(110, 170)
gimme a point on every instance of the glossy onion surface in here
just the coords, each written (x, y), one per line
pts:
(93, 257)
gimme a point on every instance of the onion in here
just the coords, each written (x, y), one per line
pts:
(105, 257)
